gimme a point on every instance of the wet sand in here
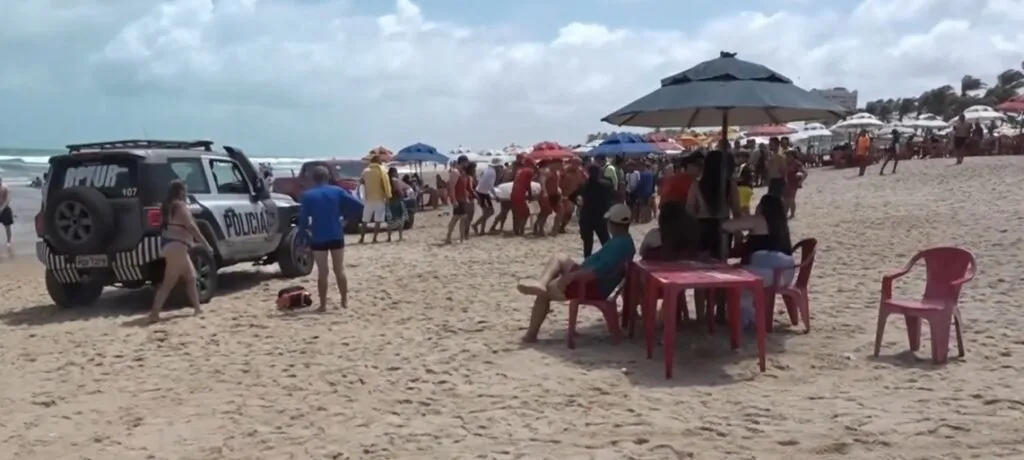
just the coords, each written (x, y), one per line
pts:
(426, 363)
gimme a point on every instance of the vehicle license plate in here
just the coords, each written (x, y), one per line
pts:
(91, 261)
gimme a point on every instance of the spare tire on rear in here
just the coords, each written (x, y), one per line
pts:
(78, 220)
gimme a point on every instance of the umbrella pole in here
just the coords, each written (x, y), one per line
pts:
(723, 185)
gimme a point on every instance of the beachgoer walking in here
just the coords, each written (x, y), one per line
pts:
(550, 197)
(457, 184)
(326, 205)
(644, 193)
(961, 137)
(572, 179)
(863, 152)
(522, 192)
(795, 175)
(397, 213)
(745, 181)
(775, 172)
(508, 173)
(485, 194)
(597, 196)
(894, 152)
(179, 235)
(469, 184)
(6, 214)
(376, 193)
(563, 279)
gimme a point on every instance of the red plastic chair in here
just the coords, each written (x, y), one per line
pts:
(609, 308)
(795, 295)
(948, 269)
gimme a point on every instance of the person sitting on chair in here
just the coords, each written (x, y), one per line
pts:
(595, 278)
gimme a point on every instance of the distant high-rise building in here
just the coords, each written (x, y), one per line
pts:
(843, 97)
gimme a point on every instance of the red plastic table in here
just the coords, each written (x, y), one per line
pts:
(636, 273)
(673, 282)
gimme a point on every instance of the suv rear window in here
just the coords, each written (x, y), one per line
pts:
(113, 177)
(349, 170)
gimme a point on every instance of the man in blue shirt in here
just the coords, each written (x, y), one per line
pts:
(326, 204)
(596, 278)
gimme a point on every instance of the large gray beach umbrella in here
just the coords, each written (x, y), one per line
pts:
(722, 92)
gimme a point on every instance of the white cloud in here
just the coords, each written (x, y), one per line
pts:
(313, 75)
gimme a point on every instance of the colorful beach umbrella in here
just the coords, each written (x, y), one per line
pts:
(383, 153)
(420, 153)
(549, 151)
(663, 142)
(628, 145)
(1015, 104)
(769, 131)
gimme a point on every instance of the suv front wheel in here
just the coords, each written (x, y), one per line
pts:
(72, 294)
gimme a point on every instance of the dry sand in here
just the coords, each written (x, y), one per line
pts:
(427, 363)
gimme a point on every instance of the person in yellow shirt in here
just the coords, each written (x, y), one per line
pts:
(376, 193)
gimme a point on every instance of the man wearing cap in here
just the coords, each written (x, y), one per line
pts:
(595, 278)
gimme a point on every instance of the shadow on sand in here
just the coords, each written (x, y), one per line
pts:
(126, 302)
(701, 359)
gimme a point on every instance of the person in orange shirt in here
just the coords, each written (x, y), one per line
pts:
(572, 178)
(677, 186)
(550, 197)
(863, 151)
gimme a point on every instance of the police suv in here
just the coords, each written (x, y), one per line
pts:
(100, 222)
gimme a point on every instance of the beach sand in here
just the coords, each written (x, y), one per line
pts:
(427, 364)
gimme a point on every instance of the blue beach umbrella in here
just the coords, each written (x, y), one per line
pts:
(419, 153)
(628, 145)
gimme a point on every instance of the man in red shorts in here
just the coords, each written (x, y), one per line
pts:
(594, 278)
(521, 195)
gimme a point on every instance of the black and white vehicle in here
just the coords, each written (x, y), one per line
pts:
(100, 222)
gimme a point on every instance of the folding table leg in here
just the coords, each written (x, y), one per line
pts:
(735, 320)
(760, 323)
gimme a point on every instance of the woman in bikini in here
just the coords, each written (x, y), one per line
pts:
(180, 234)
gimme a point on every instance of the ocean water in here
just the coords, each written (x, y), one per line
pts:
(20, 166)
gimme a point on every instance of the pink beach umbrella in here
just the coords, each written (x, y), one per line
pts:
(770, 130)
(549, 151)
(1015, 104)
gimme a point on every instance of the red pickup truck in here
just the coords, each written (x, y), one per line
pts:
(345, 174)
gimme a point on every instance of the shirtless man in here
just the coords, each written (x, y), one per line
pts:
(6, 215)
(961, 137)
(775, 168)
(571, 180)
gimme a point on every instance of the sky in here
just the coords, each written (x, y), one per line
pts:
(339, 77)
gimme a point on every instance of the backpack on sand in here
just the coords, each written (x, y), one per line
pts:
(293, 297)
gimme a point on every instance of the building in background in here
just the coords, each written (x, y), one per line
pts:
(843, 97)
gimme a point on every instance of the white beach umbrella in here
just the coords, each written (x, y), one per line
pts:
(858, 122)
(982, 113)
(927, 121)
(903, 129)
(813, 131)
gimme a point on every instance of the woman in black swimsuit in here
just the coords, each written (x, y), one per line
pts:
(179, 234)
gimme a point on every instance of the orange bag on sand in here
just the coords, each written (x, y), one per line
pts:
(293, 297)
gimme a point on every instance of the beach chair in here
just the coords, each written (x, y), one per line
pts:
(948, 268)
(795, 295)
(609, 309)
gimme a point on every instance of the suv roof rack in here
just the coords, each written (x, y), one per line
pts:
(142, 144)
